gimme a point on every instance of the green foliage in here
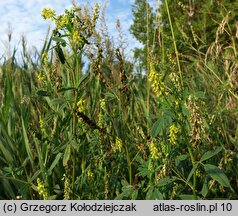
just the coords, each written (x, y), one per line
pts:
(98, 132)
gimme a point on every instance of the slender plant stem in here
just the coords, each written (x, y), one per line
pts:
(148, 65)
(174, 42)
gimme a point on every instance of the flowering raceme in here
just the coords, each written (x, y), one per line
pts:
(156, 81)
(76, 37)
(154, 150)
(41, 189)
(61, 21)
(173, 131)
(48, 13)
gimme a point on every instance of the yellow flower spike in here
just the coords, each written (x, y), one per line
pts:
(76, 37)
(61, 21)
(44, 57)
(153, 150)
(41, 189)
(100, 119)
(81, 105)
(102, 104)
(156, 81)
(90, 175)
(173, 131)
(41, 123)
(48, 13)
(41, 78)
(118, 144)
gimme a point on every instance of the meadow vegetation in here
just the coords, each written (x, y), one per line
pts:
(79, 119)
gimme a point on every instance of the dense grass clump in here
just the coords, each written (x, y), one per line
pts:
(107, 131)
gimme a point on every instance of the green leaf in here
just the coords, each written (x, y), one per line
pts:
(192, 171)
(120, 196)
(43, 93)
(6, 153)
(199, 94)
(134, 195)
(205, 188)
(187, 197)
(60, 53)
(185, 110)
(166, 181)
(217, 174)
(179, 159)
(63, 89)
(67, 154)
(157, 126)
(60, 40)
(210, 154)
(185, 93)
(83, 79)
(55, 162)
(143, 171)
(153, 194)
(26, 141)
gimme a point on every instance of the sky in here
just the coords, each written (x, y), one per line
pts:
(23, 17)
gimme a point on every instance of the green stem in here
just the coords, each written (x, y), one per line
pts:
(174, 42)
(148, 66)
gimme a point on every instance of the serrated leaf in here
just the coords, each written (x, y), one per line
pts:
(217, 174)
(67, 154)
(210, 154)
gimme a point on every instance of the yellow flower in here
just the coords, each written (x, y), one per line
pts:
(90, 175)
(173, 131)
(48, 13)
(118, 144)
(81, 105)
(44, 57)
(100, 119)
(102, 104)
(156, 81)
(76, 37)
(140, 131)
(41, 122)
(41, 189)
(61, 21)
(153, 150)
(41, 77)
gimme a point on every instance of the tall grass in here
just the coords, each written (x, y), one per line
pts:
(98, 132)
